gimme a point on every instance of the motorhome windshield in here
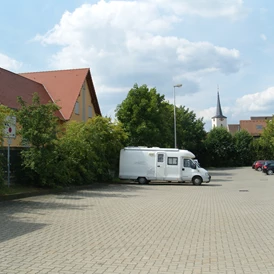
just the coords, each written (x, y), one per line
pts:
(196, 163)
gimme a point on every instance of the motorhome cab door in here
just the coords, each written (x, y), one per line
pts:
(187, 171)
(160, 165)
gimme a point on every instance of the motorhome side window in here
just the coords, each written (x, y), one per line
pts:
(160, 158)
(172, 161)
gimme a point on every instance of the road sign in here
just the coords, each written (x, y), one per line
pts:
(10, 127)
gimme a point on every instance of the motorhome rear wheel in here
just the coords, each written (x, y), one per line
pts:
(142, 180)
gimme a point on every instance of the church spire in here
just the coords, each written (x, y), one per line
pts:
(219, 120)
(219, 113)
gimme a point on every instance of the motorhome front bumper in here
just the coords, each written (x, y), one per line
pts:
(209, 178)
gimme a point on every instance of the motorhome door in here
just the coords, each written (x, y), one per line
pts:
(187, 166)
(160, 165)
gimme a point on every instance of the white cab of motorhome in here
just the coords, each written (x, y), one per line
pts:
(145, 164)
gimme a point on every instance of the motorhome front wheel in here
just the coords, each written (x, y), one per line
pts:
(197, 180)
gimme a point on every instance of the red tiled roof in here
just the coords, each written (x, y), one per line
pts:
(13, 85)
(64, 87)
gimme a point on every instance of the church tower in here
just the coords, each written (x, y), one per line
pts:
(219, 120)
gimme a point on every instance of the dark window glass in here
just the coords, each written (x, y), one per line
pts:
(160, 158)
(259, 127)
(187, 163)
(76, 108)
(172, 161)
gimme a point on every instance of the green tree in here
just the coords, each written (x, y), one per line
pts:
(149, 121)
(145, 117)
(74, 156)
(260, 149)
(105, 140)
(89, 151)
(219, 147)
(4, 112)
(190, 130)
(243, 149)
(39, 127)
(267, 140)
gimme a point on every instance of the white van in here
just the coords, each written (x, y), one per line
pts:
(145, 164)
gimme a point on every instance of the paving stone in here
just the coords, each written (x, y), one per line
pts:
(143, 229)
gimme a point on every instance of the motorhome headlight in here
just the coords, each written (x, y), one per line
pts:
(207, 174)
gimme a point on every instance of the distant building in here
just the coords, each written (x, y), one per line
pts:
(72, 90)
(254, 126)
(219, 120)
(233, 128)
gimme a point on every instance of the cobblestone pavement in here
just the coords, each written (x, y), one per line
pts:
(226, 226)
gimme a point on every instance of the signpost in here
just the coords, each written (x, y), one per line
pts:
(9, 133)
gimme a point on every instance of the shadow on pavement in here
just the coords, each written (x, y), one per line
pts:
(97, 194)
(221, 174)
(11, 228)
(183, 184)
(12, 225)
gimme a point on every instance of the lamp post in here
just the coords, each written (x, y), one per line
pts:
(175, 137)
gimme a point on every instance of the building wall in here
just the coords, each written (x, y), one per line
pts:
(233, 128)
(219, 122)
(14, 142)
(85, 107)
(254, 127)
(84, 102)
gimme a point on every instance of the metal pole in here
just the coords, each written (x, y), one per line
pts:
(175, 137)
(9, 141)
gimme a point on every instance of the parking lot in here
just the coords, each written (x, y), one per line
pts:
(226, 226)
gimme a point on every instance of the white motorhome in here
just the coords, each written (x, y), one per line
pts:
(145, 164)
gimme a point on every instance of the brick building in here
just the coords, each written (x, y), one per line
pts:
(254, 126)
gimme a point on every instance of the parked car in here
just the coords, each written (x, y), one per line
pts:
(259, 164)
(269, 168)
(264, 167)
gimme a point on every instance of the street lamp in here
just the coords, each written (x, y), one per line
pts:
(175, 137)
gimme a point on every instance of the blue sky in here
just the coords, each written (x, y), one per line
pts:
(197, 43)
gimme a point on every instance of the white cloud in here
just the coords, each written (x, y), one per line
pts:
(114, 90)
(260, 102)
(263, 37)
(153, 16)
(116, 42)
(206, 114)
(254, 104)
(127, 42)
(9, 63)
(115, 15)
(205, 8)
